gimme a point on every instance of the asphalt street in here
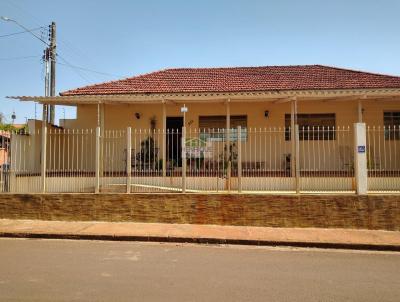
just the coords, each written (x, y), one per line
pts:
(68, 270)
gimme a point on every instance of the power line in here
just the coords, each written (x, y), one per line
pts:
(21, 32)
(25, 12)
(69, 46)
(90, 70)
(73, 68)
(74, 50)
(18, 58)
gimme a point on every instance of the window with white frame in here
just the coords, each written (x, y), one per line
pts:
(313, 126)
(391, 121)
(214, 127)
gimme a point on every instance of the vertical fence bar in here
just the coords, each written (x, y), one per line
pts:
(228, 145)
(183, 148)
(292, 138)
(239, 158)
(44, 157)
(128, 158)
(97, 164)
(297, 158)
(164, 142)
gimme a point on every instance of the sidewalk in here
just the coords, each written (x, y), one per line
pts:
(129, 231)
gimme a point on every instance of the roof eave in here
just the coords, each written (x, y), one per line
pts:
(149, 98)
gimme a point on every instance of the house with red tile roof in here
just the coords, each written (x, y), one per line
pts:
(349, 94)
(242, 120)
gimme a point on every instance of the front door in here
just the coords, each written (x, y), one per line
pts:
(174, 141)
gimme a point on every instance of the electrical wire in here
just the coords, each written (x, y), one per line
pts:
(24, 12)
(21, 32)
(68, 46)
(73, 68)
(18, 58)
(91, 70)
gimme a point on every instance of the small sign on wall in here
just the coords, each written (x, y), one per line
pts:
(361, 149)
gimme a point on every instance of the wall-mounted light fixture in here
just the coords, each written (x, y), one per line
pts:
(137, 115)
(266, 113)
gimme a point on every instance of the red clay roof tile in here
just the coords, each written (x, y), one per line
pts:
(241, 79)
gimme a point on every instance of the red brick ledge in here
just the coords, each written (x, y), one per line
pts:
(374, 212)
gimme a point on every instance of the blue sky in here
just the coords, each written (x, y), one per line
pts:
(125, 38)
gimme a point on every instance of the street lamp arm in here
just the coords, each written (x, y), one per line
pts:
(26, 29)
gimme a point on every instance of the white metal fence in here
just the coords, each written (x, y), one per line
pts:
(310, 159)
(326, 159)
(22, 163)
(70, 162)
(383, 158)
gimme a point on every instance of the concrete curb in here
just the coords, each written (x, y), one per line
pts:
(203, 240)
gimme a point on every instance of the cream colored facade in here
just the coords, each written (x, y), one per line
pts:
(121, 116)
(257, 150)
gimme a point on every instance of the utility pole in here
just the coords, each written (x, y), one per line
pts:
(46, 59)
(52, 68)
(49, 55)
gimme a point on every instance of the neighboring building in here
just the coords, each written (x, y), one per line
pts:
(266, 102)
(4, 160)
(4, 147)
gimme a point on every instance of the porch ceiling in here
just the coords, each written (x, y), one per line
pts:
(268, 96)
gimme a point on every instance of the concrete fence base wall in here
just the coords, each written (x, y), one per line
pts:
(321, 211)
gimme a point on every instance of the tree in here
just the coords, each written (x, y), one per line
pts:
(9, 127)
(2, 118)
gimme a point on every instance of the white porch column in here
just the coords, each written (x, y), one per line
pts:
(360, 158)
(360, 109)
(293, 122)
(100, 125)
(295, 153)
(228, 144)
(102, 119)
(183, 149)
(164, 139)
(98, 115)
(97, 162)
